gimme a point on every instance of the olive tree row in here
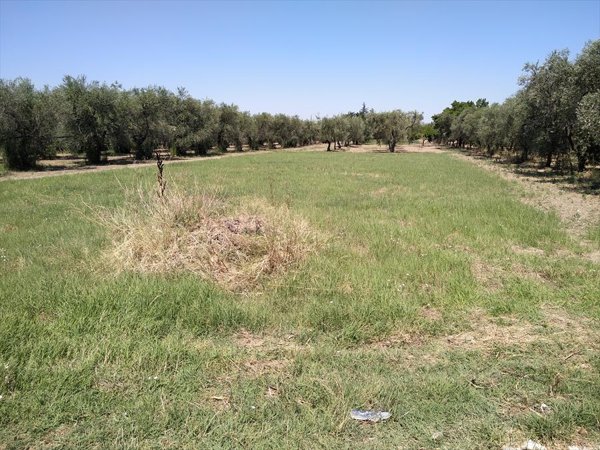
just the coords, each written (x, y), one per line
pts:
(389, 128)
(555, 115)
(93, 118)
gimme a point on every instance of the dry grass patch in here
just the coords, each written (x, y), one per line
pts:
(583, 332)
(533, 275)
(247, 339)
(380, 192)
(487, 334)
(399, 339)
(267, 343)
(388, 191)
(55, 438)
(486, 275)
(236, 247)
(593, 256)
(491, 276)
(529, 251)
(261, 367)
(430, 313)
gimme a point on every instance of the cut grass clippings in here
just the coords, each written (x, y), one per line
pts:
(237, 247)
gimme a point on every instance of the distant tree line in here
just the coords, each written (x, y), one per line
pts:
(554, 116)
(93, 119)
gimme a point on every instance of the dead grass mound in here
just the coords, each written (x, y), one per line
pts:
(236, 247)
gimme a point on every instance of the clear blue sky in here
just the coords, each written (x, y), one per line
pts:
(304, 58)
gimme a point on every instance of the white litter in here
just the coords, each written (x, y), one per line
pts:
(370, 416)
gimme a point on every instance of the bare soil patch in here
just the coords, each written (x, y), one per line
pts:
(261, 367)
(491, 276)
(247, 339)
(399, 339)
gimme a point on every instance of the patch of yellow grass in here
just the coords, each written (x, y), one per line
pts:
(236, 247)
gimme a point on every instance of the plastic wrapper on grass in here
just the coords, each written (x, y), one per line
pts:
(370, 416)
(235, 246)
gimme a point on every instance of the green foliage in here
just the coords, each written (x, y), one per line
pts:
(195, 124)
(458, 111)
(93, 118)
(28, 122)
(394, 126)
(150, 112)
(356, 129)
(427, 131)
(553, 116)
(328, 131)
(229, 132)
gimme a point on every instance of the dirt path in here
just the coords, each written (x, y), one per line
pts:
(73, 166)
(74, 170)
(406, 148)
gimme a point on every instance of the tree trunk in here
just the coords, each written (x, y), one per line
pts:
(93, 153)
(524, 154)
(328, 146)
(392, 145)
(581, 161)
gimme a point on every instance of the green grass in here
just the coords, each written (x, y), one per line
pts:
(397, 311)
(594, 234)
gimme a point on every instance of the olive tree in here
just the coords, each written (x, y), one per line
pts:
(394, 126)
(150, 111)
(28, 121)
(196, 124)
(588, 124)
(356, 129)
(587, 89)
(92, 117)
(229, 131)
(328, 132)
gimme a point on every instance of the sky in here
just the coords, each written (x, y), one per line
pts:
(310, 58)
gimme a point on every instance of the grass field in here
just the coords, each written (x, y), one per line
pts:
(435, 295)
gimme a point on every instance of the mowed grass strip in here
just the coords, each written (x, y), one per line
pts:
(437, 296)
